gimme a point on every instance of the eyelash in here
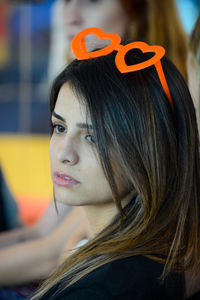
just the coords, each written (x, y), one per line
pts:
(92, 141)
(55, 127)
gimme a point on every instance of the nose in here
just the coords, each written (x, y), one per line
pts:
(66, 152)
(72, 13)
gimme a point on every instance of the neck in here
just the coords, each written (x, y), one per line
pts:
(100, 215)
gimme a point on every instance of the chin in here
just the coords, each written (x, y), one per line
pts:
(66, 197)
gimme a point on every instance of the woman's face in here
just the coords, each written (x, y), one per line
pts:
(109, 15)
(76, 171)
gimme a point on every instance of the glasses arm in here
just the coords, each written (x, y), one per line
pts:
(163, 81)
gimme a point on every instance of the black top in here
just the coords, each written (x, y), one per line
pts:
(9, 217)
(124, 279)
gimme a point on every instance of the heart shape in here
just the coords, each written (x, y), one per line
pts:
(158, 51)
(80, 52)
(79, 48)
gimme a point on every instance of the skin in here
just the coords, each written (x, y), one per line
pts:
(73, 152)
(41, 229)
(110, 16)
(39, 257)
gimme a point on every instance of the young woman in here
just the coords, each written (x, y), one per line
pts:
(125, 147)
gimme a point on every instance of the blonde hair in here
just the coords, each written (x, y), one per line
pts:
(158, 22)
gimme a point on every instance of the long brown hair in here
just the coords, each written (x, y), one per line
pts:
(158, 22)
(156, 147)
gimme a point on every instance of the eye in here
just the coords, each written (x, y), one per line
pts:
(90, 139)
(57, 128)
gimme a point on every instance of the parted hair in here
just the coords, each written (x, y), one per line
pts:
(156, 147)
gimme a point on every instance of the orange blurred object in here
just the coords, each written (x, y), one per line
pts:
(25, 163)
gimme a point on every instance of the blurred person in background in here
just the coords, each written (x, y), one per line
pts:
(154, 21)
(29, 255)
(9, 213)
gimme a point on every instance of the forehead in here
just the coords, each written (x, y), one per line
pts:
(68, 105)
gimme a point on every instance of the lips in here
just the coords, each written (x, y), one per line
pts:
(64, 180)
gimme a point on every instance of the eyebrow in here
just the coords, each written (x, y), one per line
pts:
(80, 125)
(58, 116)
(84, 126)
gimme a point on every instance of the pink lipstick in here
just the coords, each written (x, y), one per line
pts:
(64, 180)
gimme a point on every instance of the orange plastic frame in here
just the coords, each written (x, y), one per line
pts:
(80, 51)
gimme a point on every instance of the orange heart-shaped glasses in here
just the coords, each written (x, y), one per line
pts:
(80, 51)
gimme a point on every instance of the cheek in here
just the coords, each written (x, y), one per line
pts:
(107, 18)
(91, 166)
(94, 175)
(52, 151)
(115, 21)
(51, 147)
